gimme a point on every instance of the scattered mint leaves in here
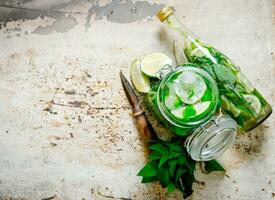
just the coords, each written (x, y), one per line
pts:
(213, 165)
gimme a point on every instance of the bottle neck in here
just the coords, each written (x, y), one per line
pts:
(182, 33)
(175, 24)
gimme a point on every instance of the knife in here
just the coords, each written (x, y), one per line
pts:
(147, 132)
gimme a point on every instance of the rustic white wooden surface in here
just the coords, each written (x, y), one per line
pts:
(66, 129)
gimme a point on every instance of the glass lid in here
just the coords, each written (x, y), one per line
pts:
(210, 140)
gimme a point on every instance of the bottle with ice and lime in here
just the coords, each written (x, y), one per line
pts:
(239, 98)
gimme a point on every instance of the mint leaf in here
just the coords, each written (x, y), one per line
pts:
(148, 170)
(182, 160)
(174, 154)
(174, 147)
(171, 187)
(213, 165)
(179, 173)
(163, 160)
(148, 179)
(155, 155)
(163, 176)
(224, 74)
(172, 166)
(161, 148)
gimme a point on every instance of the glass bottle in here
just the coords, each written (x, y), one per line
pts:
(239, 98)
(186, 100)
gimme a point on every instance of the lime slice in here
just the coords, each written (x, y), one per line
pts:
(153, 62)
(245, 82)
(139, 80)
(178, 112)
(229, 106)
(235, 110)
(201, 107)
(191, 111)
(172, 102)
(200, 52)
(189, 87)
(254, 102)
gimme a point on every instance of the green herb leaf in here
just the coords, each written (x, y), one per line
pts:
(155, 155)
(148, 170)
(182, 160)
(224, 74)
(213, 165)
(171, 187)
(172, 166)
(163, 160)
(179, 173)
(174, 154)
(163, 176)
(174, 147)
(148, 179)
(160, 148)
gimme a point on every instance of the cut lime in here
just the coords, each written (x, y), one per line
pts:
(139, 80)
(225, 103)
(229, 106)
(153, 62)
(178, 112)
(235, 110)
(254, 102)
(191, 111)
(172, 102)
(201, 107)
(190, 87)
(245, 82)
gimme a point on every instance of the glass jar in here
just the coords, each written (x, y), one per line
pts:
(239, 98)
(186, 100)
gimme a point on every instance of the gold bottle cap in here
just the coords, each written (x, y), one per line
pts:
(164, 13)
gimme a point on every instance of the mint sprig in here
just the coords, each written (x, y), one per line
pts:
(170, 164)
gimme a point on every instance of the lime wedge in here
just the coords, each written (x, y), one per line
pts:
(153, 62)
(201, 107)
(189, 87)
(139, 80)
(254, 102)
(245, 82)
(178, 112)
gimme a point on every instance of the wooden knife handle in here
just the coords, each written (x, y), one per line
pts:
(145, 128)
